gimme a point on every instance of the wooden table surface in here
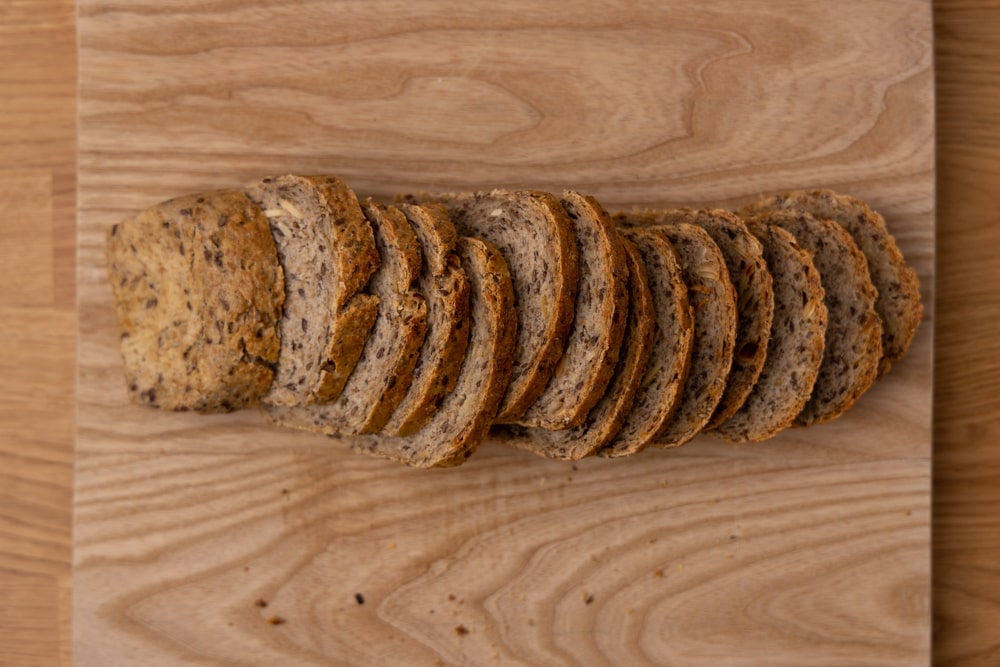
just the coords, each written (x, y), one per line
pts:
(37, 303)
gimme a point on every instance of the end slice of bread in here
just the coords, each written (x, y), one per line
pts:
(464, 416)
(198, 293)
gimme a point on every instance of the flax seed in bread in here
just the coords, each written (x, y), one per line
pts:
(198, 294)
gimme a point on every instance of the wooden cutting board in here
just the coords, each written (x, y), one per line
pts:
(810, 549)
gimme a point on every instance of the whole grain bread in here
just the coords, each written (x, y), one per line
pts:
(795, 349)
(713, 300)
(754, 297)
(670, 357)
(198, 293)
(328, 253)
(384, 370)
(854, 330)
(898, 302)
(535, 236)
(583, 372)
(605, 419)
(464, 416)
(444, 284)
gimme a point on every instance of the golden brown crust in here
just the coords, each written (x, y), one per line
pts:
(198, 293)
(898, 287)
(594, 339)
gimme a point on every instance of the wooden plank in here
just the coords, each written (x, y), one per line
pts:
(813, 548)
(967, 354)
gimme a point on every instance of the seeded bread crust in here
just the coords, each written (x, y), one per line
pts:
(713, 300)
(464, 417)
(444, 284)
(605, 419)
(595, 337)
(898, 302)
(754, 297)
(385, 369)
(535, 237)
(795, 350)
(853, 331)
(670, 357)
(198, 293)
(328, 252)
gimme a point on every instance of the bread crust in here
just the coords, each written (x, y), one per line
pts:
(198, 293)
(898, 303)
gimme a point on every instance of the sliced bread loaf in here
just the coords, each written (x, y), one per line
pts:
(198, 294)
(605, 419)
(583, 372)
(670, 357)
(795, 348)
(898, 302)
(464, 415)
(713, 300)
(535, 237)
(384, 370)
(328, 252)
(854, 330)
(444, 284)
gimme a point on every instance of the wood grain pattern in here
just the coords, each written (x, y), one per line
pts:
(811, 549)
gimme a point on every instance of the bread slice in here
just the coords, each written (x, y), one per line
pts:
(898, 302)
(854, 330)
(754, 297)
(443, 283)
(535, 237)
(713, 300)
(464, 416)
(384, 371)
(605, 419)
(599, 318)
(328, 252)
(795, 349)
(198, 293)
(670, 357)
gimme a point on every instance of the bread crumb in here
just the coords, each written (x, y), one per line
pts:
(275, 620)
(658, 574)
(461, 630)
